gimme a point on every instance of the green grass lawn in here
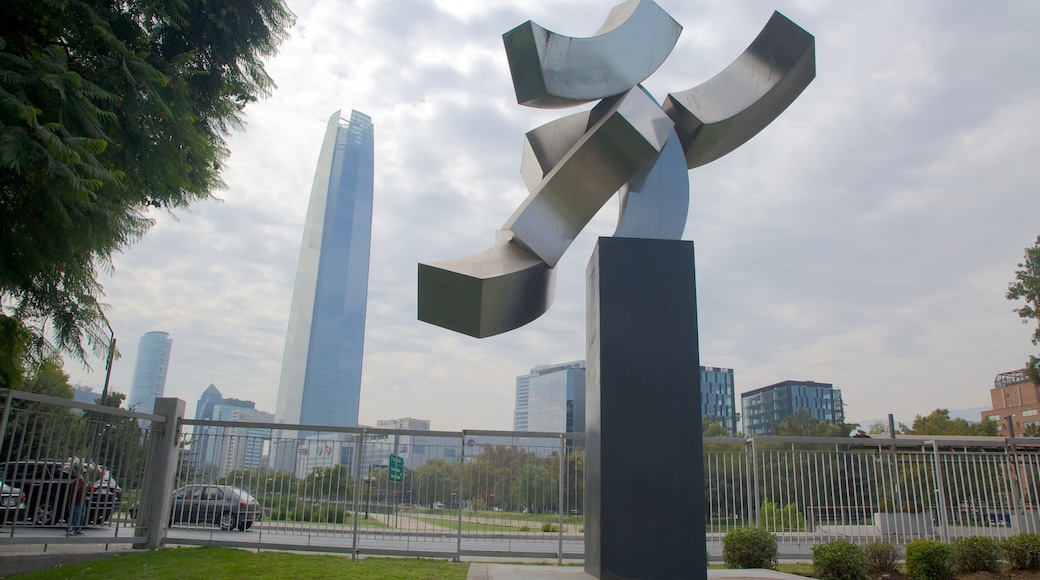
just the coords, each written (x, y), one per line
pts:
(469, 526)
(229, 564)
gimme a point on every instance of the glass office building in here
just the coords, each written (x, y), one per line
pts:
(321, 365)
(153, 360)
(551, 399)
(766, 407)
(718, 401)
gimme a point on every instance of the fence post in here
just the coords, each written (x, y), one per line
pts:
(940, 490)
(360, 452)
(155, 497)
(559, 553)
(6, 416)
(753, 476)
(462, 469)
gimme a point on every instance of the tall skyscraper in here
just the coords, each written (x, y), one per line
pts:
(153, 360)
(321, 365)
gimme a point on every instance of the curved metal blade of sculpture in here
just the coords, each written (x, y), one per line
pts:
(626, 144)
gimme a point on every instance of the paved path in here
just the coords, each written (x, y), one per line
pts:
(484, 571)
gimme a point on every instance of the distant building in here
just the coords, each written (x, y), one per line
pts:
(153, 361)
(86, 395)
(551, 399)
(238, 448)
(718, 398)
(320, 381)
(1014, 395)
(764, 408)
(206, 410)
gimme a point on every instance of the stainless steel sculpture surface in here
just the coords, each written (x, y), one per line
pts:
(626, 144)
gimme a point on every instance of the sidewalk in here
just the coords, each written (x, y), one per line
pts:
(485, 571)
(23, 558)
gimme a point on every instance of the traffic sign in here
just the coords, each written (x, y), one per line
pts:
(396, 468)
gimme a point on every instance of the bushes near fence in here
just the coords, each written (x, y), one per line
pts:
(976, 554)
(747, 548)
(1022, 551)
(882, 557)
(929, 560)
(839, 560)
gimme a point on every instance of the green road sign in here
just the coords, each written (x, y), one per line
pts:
(396, 468)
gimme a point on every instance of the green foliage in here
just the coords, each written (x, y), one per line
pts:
(928, 560)
(839, 560)
(108, 109)
(747, 548)
(782, 519)
(547, 527)
(976, 554)
(802, 424)
(1027, 287)
(1022, 551)
(881, 557)
(938, 422)
(714, 429)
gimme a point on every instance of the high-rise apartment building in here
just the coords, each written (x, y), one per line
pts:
(205, 437)
(236, 448)
(149, 381)
(718, 398)
(1014, 395)
(764, 408)
(321, 366)
(551, 398)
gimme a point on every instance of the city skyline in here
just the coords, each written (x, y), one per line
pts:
(864, 239)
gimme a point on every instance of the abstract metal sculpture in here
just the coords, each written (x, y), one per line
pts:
(626, 144)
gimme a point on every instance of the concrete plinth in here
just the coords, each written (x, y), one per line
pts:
(644, 473)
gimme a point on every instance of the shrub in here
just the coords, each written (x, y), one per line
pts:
(782, 519)
(1022, 551)
(881, 557)
(749, 548)
(839, 560)
(976, 554)
(928, 560)
(547, 527)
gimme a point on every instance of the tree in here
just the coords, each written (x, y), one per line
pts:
(109, 108)
(35, 427)
(714, 429)
(802, 424)
(938, 422)
(1027, 287)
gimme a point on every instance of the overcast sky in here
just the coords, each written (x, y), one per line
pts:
(866, 238)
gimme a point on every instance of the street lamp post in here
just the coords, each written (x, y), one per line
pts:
(368, 502)
(108, 363)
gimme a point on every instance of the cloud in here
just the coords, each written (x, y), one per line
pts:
(865, 238)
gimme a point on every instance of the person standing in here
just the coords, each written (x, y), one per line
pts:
(78, 497)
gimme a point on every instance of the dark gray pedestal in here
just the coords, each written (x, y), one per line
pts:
(644, 472)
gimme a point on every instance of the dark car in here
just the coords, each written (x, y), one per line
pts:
(231, 508)
(12, 504)
(48, 484)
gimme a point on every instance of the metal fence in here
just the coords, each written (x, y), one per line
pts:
(474, 494)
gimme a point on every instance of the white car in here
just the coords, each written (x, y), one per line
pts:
(12, 504)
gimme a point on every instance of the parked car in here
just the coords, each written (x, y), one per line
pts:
(12, 504)
(231, 508)
(48, 484)
(104, 496)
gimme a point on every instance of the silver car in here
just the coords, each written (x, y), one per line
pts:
(231, 508)
(12, 504)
